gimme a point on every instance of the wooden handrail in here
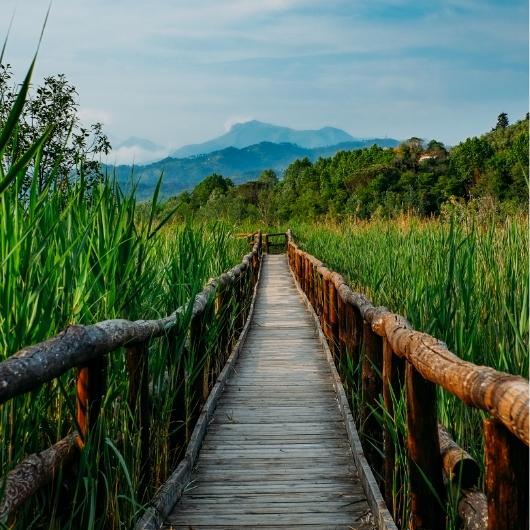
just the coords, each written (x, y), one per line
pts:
(34, 365)
(503, 395)
(267, 243)
(344, 314)
(85, 347)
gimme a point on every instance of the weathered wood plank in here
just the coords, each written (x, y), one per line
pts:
(276, 452)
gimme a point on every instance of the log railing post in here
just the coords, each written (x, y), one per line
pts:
(301, 274)
(371, 390)
(300, 270)
(425, 462)
(333, 320)
(240, 301)
(221, 317)
(506, 459)
(311, 287)
(393, 380)
(325, 308)
(197, 363)
(319, 289)
(90, 388)
(138, 399)
(177, 432)
(341, 325)
(307, 273)
(208, 377)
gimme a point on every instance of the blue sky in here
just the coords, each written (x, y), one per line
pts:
(180, 72)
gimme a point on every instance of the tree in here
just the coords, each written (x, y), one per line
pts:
(72, 149)
(502, 121)
(214, 183)
(269, 178)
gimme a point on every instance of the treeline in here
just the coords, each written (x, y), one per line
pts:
(416, 177)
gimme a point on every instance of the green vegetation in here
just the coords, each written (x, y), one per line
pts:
(380, 182)
(464, 280)
(69, 150)
(73, 249)
(241, 164)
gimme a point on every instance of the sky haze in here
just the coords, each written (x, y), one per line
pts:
(180, 72)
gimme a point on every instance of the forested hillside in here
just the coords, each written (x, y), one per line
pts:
(415, 177)
(240, 165)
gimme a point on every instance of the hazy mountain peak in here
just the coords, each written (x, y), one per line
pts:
(136, 150)
(247, 124)
(253, 132)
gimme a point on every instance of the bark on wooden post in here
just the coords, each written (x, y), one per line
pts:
(240, 303)
(506, 460)
(348, 325)
(459, 466)
(301, 278)
(473, 510)
(138, 399)
(298, 266)
(372, 388)
(312, 284)
(34, 472)
(321, 297)
(198, 353)
(333, 320)
(90, 388)
(393, 379)
(325, 310)
(308, 278)
(221, 316)
(341, 325)
(177, 431)
(425, 462)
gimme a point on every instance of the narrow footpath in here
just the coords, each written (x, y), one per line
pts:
(276, 454)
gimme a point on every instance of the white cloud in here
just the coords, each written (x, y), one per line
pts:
(135, 155)
(90, 116)
(175, 71)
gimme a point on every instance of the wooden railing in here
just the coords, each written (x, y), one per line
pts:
(271, 245)
(396, 358)
(86, 348)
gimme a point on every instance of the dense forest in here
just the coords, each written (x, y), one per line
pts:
(418, 177)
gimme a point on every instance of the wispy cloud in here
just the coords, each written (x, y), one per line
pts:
(90, 116)
(180, 72)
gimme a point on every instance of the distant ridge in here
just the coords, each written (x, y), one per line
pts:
(240, 165)
(254, 132)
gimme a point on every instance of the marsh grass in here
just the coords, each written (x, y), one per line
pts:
(463, 280)
(77, 256)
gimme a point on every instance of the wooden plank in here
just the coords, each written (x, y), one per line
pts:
(322, 487)
(254, 520)
(276, 452)
(278, 525)
(262, 507)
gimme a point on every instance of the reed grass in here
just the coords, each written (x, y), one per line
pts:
(464, 281)
(78, 256)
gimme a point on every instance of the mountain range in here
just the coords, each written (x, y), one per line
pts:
(241, 154)
(254, 132)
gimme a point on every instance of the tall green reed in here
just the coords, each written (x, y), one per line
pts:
(464, 281)
(75, 257)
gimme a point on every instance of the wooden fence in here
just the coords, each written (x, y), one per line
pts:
(86, 347)
(395, 358)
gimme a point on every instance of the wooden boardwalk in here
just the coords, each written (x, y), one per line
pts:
(276, 454)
